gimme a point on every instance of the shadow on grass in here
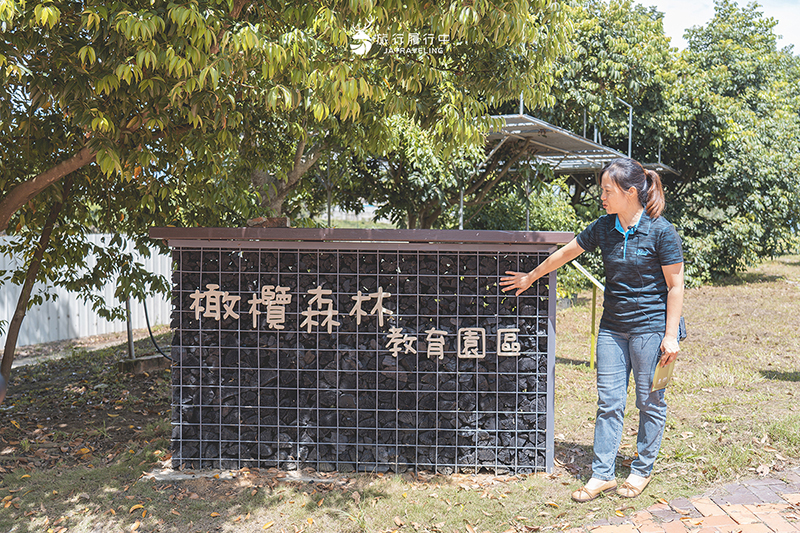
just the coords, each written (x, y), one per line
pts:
(580, 301)
(576, 458)
(572, 362)
(746, 278)
(776, 375)
(113, 499)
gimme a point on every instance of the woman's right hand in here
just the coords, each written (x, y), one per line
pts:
(517, 280)
(522, 280)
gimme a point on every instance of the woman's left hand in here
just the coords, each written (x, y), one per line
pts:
(669, 351)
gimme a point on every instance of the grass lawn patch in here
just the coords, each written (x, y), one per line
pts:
(79, 440)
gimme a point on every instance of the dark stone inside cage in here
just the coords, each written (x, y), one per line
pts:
(293, 398)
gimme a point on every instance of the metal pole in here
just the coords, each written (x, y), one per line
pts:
(593, 335)
(131, 353)
(595, 285)
(328, 187)
(460, 200)
(527, 203)
(630, 131)
(584, 122)
(528, 200)
(630, 123)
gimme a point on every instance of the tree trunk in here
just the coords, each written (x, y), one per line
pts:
(485, 184)
(27, 190)
(273, 200)
(27, 287)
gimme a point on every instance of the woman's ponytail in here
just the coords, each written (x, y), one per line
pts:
(627, 173)
(655, 194)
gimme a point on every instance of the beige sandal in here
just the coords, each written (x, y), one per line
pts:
(628, 490)
(585, 495)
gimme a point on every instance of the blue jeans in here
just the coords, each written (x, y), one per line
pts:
(617, 355)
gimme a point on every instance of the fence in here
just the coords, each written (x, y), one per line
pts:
(69, 317)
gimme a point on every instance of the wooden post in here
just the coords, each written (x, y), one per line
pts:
(131, 352)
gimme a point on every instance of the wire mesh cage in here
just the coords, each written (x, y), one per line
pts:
(361, 356)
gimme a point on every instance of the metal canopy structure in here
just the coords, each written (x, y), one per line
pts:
(564, 151)
(661, 168)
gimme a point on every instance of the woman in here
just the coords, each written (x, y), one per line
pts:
(639, 328)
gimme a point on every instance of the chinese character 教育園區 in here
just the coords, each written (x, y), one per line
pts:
(472, 343)
(398, 341)
(508, 342)
(435, 340)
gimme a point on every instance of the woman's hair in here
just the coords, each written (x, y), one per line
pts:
(627, 173)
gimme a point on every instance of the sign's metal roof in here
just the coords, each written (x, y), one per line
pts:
(565, 152)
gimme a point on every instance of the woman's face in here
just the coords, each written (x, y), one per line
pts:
(613, 197)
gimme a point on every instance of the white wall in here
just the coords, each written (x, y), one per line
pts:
(68, 317)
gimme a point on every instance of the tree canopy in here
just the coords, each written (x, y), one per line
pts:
(722, 113)
(738, 89)
(208, 112)
(123, 83)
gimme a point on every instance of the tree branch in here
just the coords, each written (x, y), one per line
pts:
(302, 163)
(26, 191)
(485, 190)
(493, 165)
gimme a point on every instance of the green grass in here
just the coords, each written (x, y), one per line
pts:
(356, 224)
(733, 411)
(726, 374)
(786, 433)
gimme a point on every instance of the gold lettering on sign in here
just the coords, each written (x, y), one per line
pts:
(508, 342)
(216, 302)
(276, 299)
(328, 312)
(435, 340)
(472, 343)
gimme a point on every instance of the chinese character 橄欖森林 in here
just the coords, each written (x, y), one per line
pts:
(216, 302)
(357, 310)
(329, 312)
(378, 308)
(276, 299)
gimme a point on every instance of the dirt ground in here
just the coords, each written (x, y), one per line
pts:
(78, 418)
(733, 414)
(36, 353)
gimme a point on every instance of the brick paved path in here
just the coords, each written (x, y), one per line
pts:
(763, 505)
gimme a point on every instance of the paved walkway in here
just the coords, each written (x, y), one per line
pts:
(763, 505)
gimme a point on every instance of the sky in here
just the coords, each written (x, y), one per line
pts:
(682, 14)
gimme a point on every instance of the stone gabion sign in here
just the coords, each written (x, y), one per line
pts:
(360, 351)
